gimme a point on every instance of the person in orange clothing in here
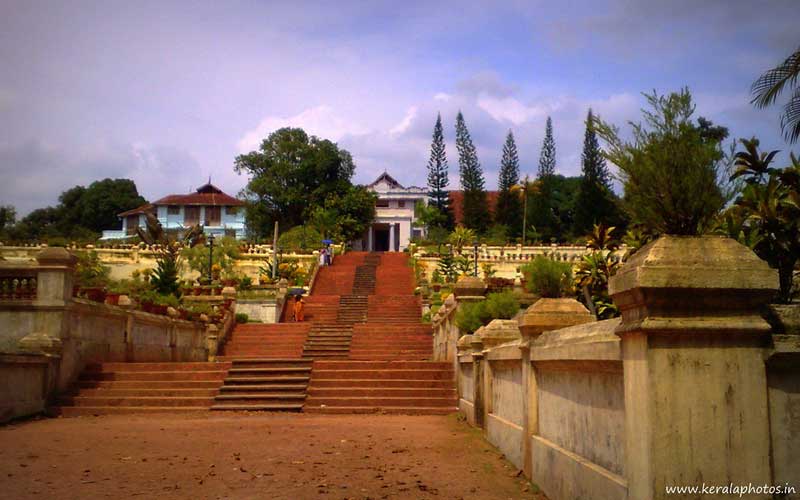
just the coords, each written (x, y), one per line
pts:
(299, 308)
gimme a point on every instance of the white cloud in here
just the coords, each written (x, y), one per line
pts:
(509, 109)
(322, 121)
(405, 124)
(442, 96)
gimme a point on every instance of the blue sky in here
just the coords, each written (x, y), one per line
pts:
(168, 93)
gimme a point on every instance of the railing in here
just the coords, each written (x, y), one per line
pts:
(14, 286)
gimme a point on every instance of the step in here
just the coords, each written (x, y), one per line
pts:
(144, 392)
(148, 384)
(153, 367)
(383, 401)
(136, 401)
(155, 376)
(86, 411)
(270, 370)
(230, 381)
(258, 407)
(269, 363)
(413, 392)
(383, 365)
(262, 387)
(260, 396)
(382, 409)
(385, 374)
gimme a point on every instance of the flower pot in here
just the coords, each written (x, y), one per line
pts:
(95, 294)
(197, 290)
(436, 287)
(147, 306)
(159, 309)
(229, 283)
(113, 298)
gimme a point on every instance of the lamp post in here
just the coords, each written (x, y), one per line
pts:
(210, 257)
(475, 254)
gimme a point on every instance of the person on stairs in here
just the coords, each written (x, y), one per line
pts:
(299, 308)
(322, 257)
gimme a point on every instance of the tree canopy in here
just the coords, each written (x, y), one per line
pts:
(290, 175)
(672, 170)
(476, 213)
(508, 209)
(438, 177)
(547, 158)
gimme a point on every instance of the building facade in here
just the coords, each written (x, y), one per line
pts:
(218, 213)
(394, 223)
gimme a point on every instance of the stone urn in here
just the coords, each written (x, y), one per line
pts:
(548, 314)
(469, 286)
(499, 331)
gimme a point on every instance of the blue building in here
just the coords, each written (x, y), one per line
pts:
(217, 212)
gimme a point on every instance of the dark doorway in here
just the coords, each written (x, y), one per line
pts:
(381, 243)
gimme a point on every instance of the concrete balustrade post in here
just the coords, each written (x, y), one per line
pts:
(479, 381)
(694, 374)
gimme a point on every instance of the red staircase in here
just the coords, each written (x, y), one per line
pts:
(255, 340)
(143, 387)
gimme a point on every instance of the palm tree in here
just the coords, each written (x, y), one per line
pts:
(769, 86)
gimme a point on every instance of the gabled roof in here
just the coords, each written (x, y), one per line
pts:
(207, 194)
(385, 177)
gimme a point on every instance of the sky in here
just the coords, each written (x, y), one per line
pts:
(168, 93)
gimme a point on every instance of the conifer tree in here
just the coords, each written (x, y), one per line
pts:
(547, 159)
(509, 207)
(475, 209)
(438, 175)
(595, 202)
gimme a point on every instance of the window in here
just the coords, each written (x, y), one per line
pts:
(231, 210)
(382, 203)
(173, 210)
(401, 204)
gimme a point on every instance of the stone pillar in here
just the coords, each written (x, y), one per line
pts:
(544, 315)
(481, 383)
(693, 358)
(391, 237)
(370, 237)
(212, 341)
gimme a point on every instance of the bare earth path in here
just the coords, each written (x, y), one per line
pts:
(253, 456)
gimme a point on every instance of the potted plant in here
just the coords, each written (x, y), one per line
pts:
(115, 290)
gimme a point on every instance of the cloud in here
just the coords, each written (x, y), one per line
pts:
(405, 123)
(442, 96)
(322, 121)
(508, 109)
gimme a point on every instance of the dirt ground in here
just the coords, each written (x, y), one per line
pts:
(286, 456)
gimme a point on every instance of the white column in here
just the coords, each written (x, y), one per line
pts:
(391, 237)
(369, 238)
(405, 234)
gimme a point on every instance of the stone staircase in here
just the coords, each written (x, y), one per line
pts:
(408, 387)
(108, 388)
(255, 340)
(264, 385)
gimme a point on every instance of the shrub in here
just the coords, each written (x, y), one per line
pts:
(472, 316)
(226, 250)
(89, 271)
(242, 318)
(300, 239)
(548, 278)
(503, 305)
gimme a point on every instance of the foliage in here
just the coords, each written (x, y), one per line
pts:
(347, 214)
(438, 178)
(476, 214)
(548, 278)
(594, 271)
(300, 239)
(168, 254)
(497, 234)
(446, 268)
(635, 238)
(509, 208)
(488, 270)
(436, 276)
(461, 237)
(547, 157)
(464, 265)
(472, 315)
(767, 214)
(289, 175)
(226, 251)
(81, 214)
(8, 216)
(595, 202)
(769, 87)
(502, 305)
(90, 271)
(672, 170)
(242, 318)
(551, 208)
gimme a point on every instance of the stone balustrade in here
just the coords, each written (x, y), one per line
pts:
(690, 386)
(48, 335)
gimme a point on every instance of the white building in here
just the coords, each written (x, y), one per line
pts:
(393, 227)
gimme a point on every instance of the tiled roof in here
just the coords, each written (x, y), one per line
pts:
(457, 204)
(199, 199)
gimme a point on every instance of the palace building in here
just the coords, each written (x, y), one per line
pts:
(218, 213)
(394, 223)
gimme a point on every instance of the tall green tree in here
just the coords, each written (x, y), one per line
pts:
(291, 174)
(596, 203)
(547, 158)
(8, 216)
(509, 206)
(771, 85)
(672, 169)
(475, 209)
(438, 177)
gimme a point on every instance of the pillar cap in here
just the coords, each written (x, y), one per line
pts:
(469, 286)
(548, 314)
(56, 256)
(680, 283)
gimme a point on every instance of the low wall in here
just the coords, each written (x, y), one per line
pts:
(48, 335)
(263, 310)
(690, 387)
